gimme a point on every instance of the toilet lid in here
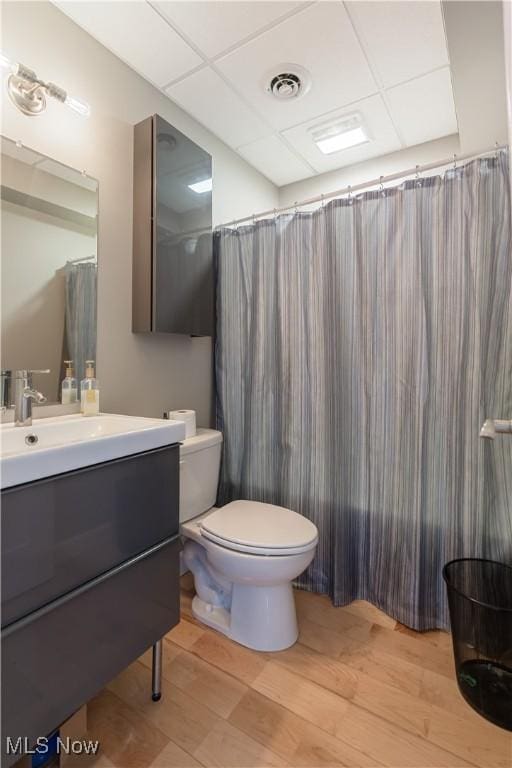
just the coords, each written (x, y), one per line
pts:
(257, 528)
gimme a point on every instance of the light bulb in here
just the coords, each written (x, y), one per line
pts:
(79, 106)
(7, 63)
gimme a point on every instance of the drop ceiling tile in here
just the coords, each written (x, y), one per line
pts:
(216, 26)
(383, 137)
(205, 96)
(274, 160)
(423, 109)
(321, 39)
(402, 39)
(136, 33)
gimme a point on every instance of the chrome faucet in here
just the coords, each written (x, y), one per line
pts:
(24, 395)
(493, 427)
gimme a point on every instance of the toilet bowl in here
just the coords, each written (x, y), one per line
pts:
(243, 556)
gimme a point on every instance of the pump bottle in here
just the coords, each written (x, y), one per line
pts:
(89, 391)
(69, 392)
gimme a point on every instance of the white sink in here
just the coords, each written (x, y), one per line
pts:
(55, 445)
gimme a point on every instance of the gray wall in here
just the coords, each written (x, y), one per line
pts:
(138, 374)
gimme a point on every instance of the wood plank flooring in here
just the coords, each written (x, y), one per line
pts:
(358, 689)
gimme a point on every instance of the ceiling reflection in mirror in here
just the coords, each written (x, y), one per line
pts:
(48, 269)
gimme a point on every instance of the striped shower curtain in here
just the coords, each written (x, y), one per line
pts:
(359, 349)
(81, 301)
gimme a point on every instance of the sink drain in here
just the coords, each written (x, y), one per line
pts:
(31, 439)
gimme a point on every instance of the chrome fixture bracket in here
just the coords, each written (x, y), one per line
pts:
(493, 427)
(27, 95)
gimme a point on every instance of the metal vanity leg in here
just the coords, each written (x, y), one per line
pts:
(156, 672)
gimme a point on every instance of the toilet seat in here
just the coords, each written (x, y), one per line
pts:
(259, 529)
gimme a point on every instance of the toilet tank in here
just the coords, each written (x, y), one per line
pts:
(199, 472)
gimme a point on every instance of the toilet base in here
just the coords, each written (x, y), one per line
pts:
(261, 617)
(212, 615)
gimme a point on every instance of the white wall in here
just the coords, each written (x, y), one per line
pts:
(360, 173)
(138, 374)
(474, 32)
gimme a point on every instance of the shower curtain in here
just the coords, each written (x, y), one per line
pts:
(359, 349)
(81, 315)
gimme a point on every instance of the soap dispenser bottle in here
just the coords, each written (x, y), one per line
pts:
(89, 391)
(69, 387)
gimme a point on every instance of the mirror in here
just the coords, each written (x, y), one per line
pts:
(173, 275)
(49, 268)
(183, 288)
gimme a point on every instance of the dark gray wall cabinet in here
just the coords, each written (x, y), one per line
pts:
(173, 276)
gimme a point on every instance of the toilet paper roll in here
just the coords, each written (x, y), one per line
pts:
(189, 417)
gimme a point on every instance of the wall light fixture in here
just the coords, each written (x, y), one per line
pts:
(29, 93)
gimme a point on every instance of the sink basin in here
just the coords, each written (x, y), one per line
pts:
(56, 445)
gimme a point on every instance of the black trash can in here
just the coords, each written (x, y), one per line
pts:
(480, 602)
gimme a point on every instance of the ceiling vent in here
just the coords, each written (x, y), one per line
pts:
(290, 81)
(168, 139)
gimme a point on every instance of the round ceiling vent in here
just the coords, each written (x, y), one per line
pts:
(286, 85)
(168, 139)
(288, 81)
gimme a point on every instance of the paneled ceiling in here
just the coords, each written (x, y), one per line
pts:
(386, 61)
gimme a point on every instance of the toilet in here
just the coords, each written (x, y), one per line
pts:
(243, 556)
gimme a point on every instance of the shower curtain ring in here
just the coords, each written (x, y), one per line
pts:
(381, 187)
(296, 204)
(454, 162)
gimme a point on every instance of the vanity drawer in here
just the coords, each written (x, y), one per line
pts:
(61, 532)
(58, 658)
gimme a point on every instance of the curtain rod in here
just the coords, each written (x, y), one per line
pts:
(364, 185)
(81, 258)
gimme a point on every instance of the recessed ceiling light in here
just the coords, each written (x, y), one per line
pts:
(341, 141)
(341, 135)
(201, 186)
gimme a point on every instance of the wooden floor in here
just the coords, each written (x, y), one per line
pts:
(356, 690)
